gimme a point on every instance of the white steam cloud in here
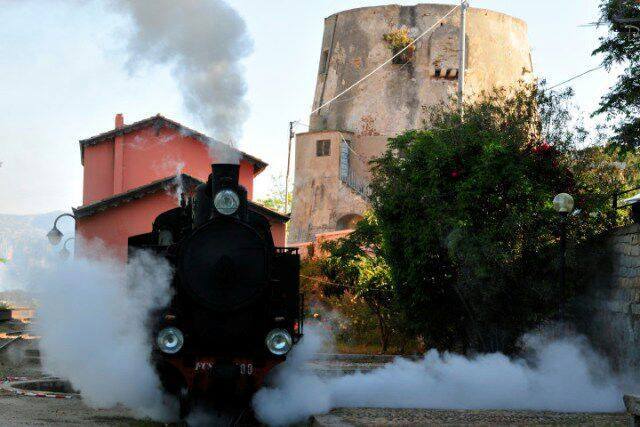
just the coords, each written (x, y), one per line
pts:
(560, 374)
(93, 321)
(204, 41)
(224, 153)
(178, 190)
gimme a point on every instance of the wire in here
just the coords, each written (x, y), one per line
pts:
(360, 157)
(575, 77)
(387, 61)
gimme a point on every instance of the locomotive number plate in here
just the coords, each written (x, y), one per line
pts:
(246, 368)
(241, 368)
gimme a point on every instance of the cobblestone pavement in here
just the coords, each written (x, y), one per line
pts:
(422, 417)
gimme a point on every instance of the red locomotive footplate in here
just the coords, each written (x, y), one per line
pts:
(207, 373)
(236, 367)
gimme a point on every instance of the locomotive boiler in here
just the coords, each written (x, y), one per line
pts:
(236, 308)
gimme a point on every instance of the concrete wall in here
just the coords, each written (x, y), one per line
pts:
(135, 159)
(113, 227)
(395, 99)
(144, 156)
(320, 199)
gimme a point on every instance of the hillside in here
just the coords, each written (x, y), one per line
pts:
(23, 239)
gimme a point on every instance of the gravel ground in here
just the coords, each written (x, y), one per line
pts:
(422, 417)
(34, 411)
(28, 411)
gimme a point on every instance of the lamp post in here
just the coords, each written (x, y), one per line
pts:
(55, 235)
(563, 204)
(64, 252)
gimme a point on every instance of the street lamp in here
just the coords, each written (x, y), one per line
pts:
(563, 204)
(64, 252)
(55, 235)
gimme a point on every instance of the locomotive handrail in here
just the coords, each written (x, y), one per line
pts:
(286, 250)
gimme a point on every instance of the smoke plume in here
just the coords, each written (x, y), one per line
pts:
(178, 190)
(92, 318)
(559, 374)
(204, 41)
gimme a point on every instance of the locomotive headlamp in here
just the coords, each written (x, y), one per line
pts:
(170, 340)
(279, 342)
(226, 202)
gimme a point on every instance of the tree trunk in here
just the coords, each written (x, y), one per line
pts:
(382, 327)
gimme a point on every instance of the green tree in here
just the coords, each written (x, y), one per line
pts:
(466, 218)
(622, 46)
(357, 262)
(275, 200)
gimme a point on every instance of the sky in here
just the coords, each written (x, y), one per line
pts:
(64, 75)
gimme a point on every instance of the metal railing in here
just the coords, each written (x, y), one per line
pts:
(356, 184)
(616, 200)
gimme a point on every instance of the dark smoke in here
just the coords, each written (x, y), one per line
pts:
(204, 41)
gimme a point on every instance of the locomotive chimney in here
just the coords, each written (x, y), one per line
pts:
(221, 195)
(224, 175)
(229, 197)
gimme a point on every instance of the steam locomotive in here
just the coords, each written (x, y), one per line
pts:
(236, 309)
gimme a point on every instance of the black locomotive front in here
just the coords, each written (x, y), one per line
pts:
(235, 313)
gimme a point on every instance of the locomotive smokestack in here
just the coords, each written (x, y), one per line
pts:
(225, 175)
(221, 195)
(229, 197)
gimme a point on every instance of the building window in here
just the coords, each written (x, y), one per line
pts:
(324, 59)
(446, 74)
(344, 160)
(323, 147)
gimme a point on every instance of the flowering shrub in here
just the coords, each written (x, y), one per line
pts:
(468, 231)
(398, 40)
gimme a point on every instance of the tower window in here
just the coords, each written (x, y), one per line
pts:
(323, 147)
(324, 59)
(446, 74)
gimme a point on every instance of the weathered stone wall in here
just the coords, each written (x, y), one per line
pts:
(612, 318)
(394, 99)
(320, 198)
(397, 97)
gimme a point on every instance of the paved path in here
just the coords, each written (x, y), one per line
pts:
(421, 417)
(28, 411)
(34, 411)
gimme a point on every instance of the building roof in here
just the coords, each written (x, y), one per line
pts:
(158, 122)
(187, 181)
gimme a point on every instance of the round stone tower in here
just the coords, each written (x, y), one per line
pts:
(396, 97)
(331, 173)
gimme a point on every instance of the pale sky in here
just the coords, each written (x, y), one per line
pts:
(63, 76)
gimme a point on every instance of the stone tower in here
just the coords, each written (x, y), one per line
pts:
(331, 172)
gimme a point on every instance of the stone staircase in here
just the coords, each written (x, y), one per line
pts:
(358, 186)
(347, 175)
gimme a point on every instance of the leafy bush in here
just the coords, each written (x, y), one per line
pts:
(467, 226)
(358, 264)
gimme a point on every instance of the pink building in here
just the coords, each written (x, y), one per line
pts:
(131, 174)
